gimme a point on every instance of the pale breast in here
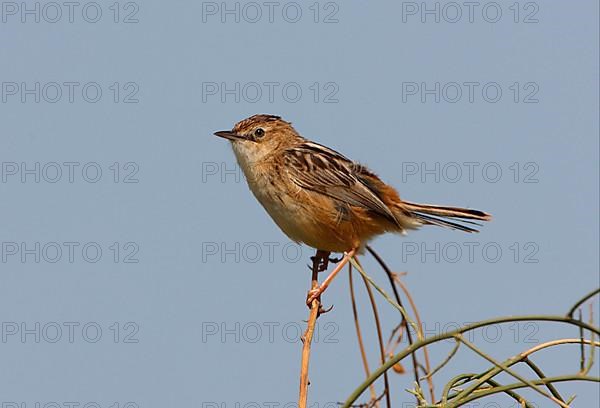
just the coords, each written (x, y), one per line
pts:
(272, 192)
(304, 216)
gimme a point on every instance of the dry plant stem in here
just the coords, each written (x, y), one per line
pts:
(592, 349)
(308, 335)
(581, 348)
(307, 339)
(315, 305)
(397, 329)
(379, 338)
(420, 324)
(361, 345)
(391, 301)
(404, 322)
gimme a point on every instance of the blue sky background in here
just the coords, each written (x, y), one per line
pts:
(197, 294)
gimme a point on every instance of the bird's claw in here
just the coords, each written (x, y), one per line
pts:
(336, 260)
(323, 310)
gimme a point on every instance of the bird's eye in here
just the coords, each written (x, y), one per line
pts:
(260, 132)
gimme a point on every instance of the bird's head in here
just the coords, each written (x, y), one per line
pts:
(257, 136)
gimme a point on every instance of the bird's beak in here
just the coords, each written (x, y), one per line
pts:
(228, 134)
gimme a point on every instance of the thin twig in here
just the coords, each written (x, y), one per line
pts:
(308, 335)
(400, 335)
(395, 330)
(361, 345)
(420, 324)
(592, 349)
(312, 319)
(385, 295)
(443, 363)
(582, 347)
(404, 322)
(379, 338)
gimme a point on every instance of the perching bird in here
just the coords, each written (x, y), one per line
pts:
(319, 197)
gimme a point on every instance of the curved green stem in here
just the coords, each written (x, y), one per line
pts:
(514, 386)
(417, 345)
(582, 301)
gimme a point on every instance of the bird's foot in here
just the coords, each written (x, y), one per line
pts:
(315, 294)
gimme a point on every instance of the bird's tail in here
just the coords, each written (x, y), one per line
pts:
(449, 217)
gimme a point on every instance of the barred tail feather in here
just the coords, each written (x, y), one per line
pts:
(438, 215)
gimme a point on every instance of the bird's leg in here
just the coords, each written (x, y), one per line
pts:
(317, 290)
(320, 261)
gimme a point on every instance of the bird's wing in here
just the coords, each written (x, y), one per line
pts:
(317, 168)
